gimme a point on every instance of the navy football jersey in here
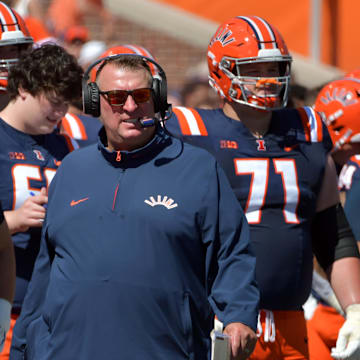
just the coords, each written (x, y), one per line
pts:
(349, 182)
(277, 179)
(83, 128)
(27, 163)
(349, 173)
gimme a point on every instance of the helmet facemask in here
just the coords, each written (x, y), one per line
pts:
(261, 92)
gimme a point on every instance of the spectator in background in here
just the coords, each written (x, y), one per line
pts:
(64, 14)
(90, 52)
(27, 8)
(74, 39)
(297, 96)
(197, 93)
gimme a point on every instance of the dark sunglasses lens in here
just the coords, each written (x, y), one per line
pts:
(117, 97)
(141, 95)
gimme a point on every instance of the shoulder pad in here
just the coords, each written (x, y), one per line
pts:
(312, 124)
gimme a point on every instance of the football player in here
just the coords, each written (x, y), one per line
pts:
(40, 86)
(278, 162)
(338, 102)
(14, 40)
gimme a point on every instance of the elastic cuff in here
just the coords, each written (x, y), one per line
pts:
(353, 309)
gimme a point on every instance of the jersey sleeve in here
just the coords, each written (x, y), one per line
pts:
(230, 262)
(185, 122)
(74, 127)
(315, 129)
(70, 142)
(350, 173)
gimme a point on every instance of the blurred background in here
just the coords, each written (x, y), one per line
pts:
(322, 35)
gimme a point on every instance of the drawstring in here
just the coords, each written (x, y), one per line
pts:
(269, 333)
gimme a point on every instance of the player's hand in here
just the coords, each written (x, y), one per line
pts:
(30, 214)
(5, 309)
(243, 340)
(348, 341)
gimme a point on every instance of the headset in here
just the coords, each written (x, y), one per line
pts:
(91, 91)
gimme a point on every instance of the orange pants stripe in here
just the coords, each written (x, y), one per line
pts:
(4, 355)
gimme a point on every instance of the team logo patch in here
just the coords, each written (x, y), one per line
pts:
(14, 155)
(228, 144)
(261, 145)
(165, 201)
(39, 155)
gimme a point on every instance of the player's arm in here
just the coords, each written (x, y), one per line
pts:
(30, 214)
(234, 295)
(351, 208)
(336, 250)
(7, 278)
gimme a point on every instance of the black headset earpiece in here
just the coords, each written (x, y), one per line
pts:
(91, 92)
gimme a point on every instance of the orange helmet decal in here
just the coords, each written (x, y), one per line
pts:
(339, 104)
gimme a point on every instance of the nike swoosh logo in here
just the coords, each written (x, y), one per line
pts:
(289, 148)
(73, 202)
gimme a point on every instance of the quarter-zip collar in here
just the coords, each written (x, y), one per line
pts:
(134, 158)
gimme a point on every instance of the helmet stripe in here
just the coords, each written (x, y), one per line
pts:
(262, 31)
(270, 31)
(8, 19)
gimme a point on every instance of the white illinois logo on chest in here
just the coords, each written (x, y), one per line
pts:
(261, 145)
(39, 155)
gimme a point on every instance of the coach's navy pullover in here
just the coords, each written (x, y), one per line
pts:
(138, 250)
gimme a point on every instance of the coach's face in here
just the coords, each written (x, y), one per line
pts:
(115, 114)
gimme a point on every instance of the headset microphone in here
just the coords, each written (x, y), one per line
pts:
(143, 122)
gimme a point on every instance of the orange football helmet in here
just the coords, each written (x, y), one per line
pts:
(339, 103)
(353, 74)
(125, 49)
(13, 31)
(246, 40)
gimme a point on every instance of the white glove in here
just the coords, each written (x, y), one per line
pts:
(348, 341)
(5, 310)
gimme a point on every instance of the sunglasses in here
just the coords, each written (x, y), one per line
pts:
(119, 97)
